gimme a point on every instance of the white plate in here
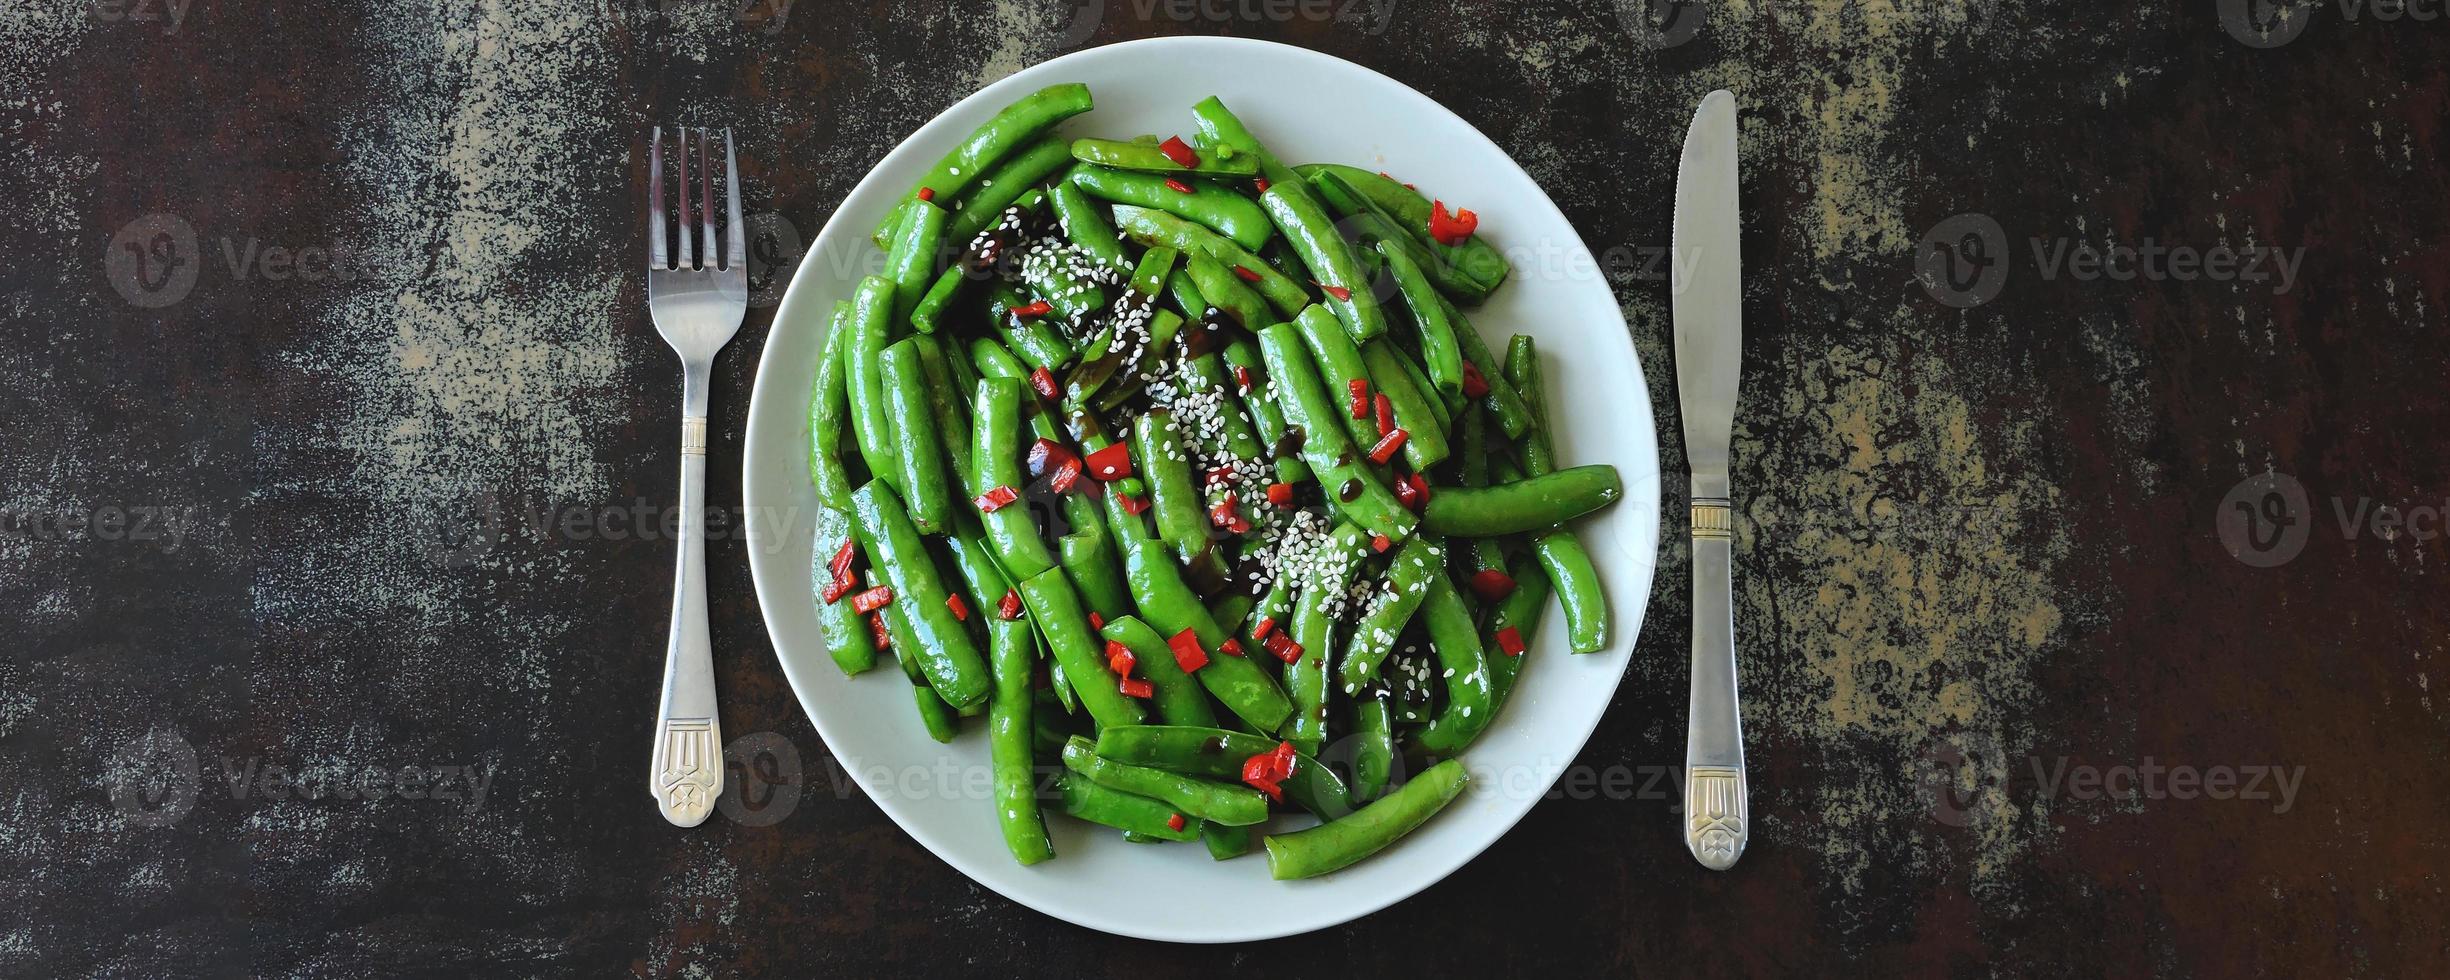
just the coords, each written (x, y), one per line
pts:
(1306, 107)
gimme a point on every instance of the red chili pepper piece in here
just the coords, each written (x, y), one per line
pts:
(1262, 182)
(1225, 514)
(1407, 495)
(1387, 446)
(1047, 454)
(995, 499)
(1217, 476)
(961, 610)
(1451, 230)
(1119, 659)
(1246, 274)
(1491, 585)
(835, 590)
(1111, 463)
(1177, 186)
(1174, 821)
(1010, 608)
(927, 193)
(1187, 652)
(1359, 389)
(1281, 644)
(1178, 151)
(1067, 475)
(1242, 378)
(1419, 485)
(1096, 622)
(1474, 385)
(1135, 688)
(1259, 773)
(1267, 625)
(1130, 504)
(1280, 494)
(1338, 292)
(1510, 640)
(1379, 543)
(1039, 308)
(1281, 761)
(872, 600)
(841, 565)
(1386, 414)
(1231, 648)
(877, 632)
(1042, 381)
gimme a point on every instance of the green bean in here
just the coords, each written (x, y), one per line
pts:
(1147, 158)
(1086, 225)
(1314, 628)
(918, 447)
(1012, 127)
(911, 263)
(1537, 502)
(1340, 468)
(1372, 224)
(1468, 705)
(1056, 608)
(1521, 610)
(1233, 806)
(941, 295)
(1373, 748)
(863, 373)
(985, 204)
(1221, 288)
(1266, 415)
(1174, 497)
(1560, 552)
(1219, 754)
(1339, 843)
(1178, 698)
(945, 651)
(1484, 266)
(1441, 353)
(1411, 577)
(1011, 655)
(1505, 404)
(1223, 211)
(1168, 604)
(995, 462)
(1414, 412)
(847, 638)
(1122, 811)
(1150, 226)
(1340, 365)
(1314, 236)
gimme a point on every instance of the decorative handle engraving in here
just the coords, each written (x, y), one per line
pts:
(1714, 815)
(688, 769)
(693, 435)
(1713, 518)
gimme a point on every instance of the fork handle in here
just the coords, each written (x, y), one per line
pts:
(687, 773)
(1716, 818)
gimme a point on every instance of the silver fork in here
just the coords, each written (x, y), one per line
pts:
(697, 303)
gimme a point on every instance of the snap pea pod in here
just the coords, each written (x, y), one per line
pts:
(1174, 499)
(945, 651)
(1452, 407)
(1178, 698)
(1407, 679)
(1275, 608)
(1168, 604)
(1220, 210)
(1161, 330)
(1533, 503)
(1372, 224)
(938, 717)
(1235, 438)
(950, 411)
(995, 462)
(1340, 366)
(1425, 444)
(1479, 554)
(985, 204)
(1086, 225)
(1476, 259)
(863, 373)
(1330, 258)
(1466, 669)
(911, 263)
(1339, 843)
(1266, 415)
(1087, 555)
(1011, 656)
(1131, 814)
(1410, 578)
(918, 447)
(1184, 292)
(1218, 754)
(1504, 403)
(1150, 226)
(1342, 471)
(1314, 628)
(939, 299)
(1147, 158)
(1056, 608)
(828, 403)
(1373, 747)
(1560, 552)
(1033, 339)
(1233, 806)
(1221, 288)
(1232, 611)
(1225, 131)
(1225, 843)
(1441, 353)
(1011, 128)
(1521, 610)
(847, 639)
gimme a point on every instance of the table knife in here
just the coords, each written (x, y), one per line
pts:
(1708, 306)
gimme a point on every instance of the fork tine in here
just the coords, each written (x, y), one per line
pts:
(656, 257)
(689, 252)
(735, 244)
(706, 204)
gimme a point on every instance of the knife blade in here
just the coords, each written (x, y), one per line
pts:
(1707, 300)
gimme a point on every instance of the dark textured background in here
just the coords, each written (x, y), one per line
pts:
(1980, 544)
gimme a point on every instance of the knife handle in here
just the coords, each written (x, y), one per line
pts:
(1715, 825)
